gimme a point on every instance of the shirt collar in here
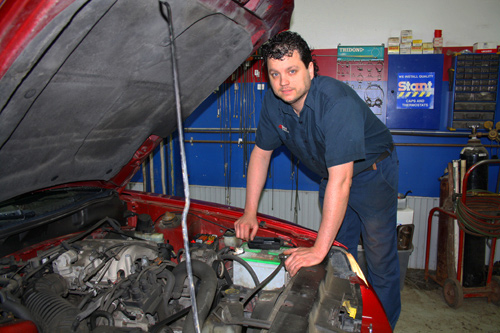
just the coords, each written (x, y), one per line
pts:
(309, 102)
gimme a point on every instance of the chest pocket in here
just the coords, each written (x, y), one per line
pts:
(293, 135)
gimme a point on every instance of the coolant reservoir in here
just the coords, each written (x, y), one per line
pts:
(263, 262)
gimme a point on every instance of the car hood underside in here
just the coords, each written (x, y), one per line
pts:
(96, 81)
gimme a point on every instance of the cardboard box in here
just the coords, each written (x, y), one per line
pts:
(405, 48)
(393, 49)
(438, 41)
(416, 49)
(393, 41)
(485, 47)
(406, 36)
(417, 42)
(427, 48)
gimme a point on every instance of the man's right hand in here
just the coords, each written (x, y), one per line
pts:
(246, 227)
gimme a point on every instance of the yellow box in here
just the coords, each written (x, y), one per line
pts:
(406, 36)
(427, 48)
(416, 50)
(393, 49)
(417, 42)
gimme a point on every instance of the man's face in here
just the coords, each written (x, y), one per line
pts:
(290, 79)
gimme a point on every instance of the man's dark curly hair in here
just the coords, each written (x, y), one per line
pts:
(284, 43)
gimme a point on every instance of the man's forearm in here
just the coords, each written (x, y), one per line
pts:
(334, 208)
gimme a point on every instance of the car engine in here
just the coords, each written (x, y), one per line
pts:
(119, 282)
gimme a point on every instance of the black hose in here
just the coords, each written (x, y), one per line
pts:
(162, 325)
(112, 222)
(50, 311)
(100, 313)
(18, 310)
(10, 284)
(206, 290)
(249, 268)
(223, 251)
(168, 290)
(262, 284)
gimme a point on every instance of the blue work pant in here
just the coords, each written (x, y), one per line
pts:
(372, 213)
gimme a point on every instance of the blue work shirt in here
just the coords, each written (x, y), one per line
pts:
(335, 127)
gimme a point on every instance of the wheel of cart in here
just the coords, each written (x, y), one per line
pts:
(453, 293)
(477, 213)
(495, 287)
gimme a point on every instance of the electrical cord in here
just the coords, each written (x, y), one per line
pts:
(168, 18)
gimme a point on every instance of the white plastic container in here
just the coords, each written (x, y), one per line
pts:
(405, 216)
(263, 262)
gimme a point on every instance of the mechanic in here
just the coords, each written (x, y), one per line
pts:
(334, 133)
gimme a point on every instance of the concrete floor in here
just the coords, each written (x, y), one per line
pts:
(424, 310)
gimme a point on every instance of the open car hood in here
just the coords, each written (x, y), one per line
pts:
(84, 83)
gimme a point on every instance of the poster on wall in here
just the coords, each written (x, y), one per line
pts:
(416, 90)
(372, 92)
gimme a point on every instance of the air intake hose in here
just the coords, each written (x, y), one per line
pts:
(50, 311)
(206, 291)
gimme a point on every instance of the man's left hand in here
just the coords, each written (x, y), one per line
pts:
(301, 257)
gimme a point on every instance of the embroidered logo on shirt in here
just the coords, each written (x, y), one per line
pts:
(283, 128)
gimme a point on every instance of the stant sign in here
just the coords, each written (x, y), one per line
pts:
(416, 90)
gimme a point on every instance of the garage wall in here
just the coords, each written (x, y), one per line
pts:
(327, 23)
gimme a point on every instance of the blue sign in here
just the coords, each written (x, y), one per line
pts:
(416, 90)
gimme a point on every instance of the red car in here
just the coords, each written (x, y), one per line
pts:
(86, 94)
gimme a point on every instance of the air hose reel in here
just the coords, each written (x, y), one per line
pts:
(478, 211)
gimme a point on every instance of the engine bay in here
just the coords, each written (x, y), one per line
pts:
(130, 275)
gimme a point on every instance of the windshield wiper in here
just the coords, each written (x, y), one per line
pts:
(17, 214)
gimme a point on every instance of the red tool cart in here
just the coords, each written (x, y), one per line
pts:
(477, 213)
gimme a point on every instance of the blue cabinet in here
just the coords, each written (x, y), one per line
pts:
(415, 91)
